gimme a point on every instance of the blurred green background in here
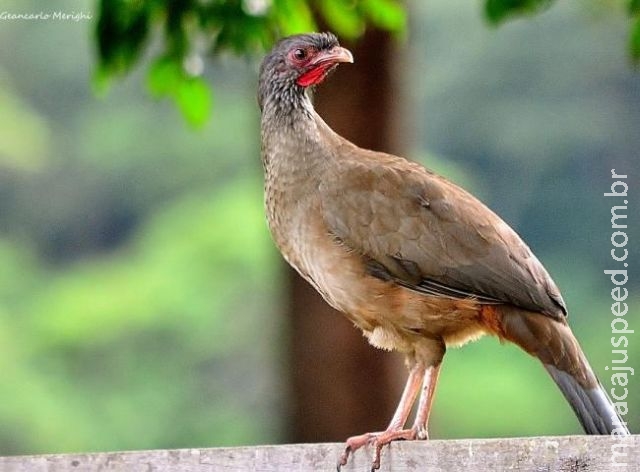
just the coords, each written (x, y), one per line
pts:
(140, 295)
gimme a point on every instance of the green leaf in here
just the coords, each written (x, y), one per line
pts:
(193, 97)
(634, 41)
(634, 7)
(498, 11)
(343, 18)
(122, 30)
(164, 77)
(386, 14)
(242, 34)
(293, 17)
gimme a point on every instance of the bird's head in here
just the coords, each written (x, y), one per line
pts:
(298, 62)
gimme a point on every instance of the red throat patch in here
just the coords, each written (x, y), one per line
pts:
(314, 76)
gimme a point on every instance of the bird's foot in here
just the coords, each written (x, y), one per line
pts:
(378, 441)
(354, 443)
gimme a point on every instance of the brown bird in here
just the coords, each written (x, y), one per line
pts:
(414, 261)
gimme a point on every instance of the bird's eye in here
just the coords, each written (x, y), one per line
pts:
(300, 54)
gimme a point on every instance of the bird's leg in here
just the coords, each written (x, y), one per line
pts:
(419, 429)
(411, 388)
(421, 424)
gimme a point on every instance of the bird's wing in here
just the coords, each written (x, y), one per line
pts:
(425, 233)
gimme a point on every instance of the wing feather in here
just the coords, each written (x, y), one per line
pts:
(429, 235)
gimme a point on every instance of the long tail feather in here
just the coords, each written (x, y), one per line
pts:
(592, 406)
(555, 345)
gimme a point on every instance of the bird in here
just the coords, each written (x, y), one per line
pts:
(411, 259)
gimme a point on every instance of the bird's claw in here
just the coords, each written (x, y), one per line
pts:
(378, 441)
(353, 444)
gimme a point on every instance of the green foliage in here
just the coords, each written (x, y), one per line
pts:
(385, 14)
(170, 300)
(193, 97)
(166, 78)
(347, 22)
(144, 341)
(499, 10)
(122, 31)
(635, 40)
(350, 22)
(192, 29)
(291, 17)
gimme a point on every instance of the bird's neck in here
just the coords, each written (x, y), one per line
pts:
(286, 108)
(292, 131)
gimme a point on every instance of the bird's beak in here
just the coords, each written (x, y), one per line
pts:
(335, 55)
(322, 64)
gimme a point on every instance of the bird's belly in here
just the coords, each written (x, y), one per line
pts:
(332, 268)
(392, 317)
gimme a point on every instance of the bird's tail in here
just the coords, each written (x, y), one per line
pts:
(557, 348)
(591, 405)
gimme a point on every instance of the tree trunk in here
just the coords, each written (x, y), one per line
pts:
(341, 386)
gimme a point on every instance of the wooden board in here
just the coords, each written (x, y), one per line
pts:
(541, 454)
